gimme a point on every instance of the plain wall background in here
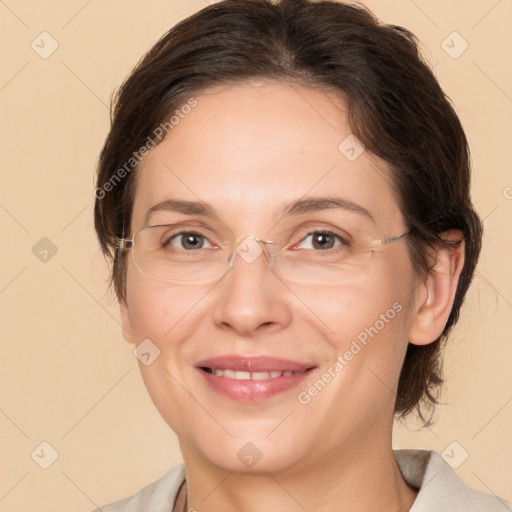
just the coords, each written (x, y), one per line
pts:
(67, 377)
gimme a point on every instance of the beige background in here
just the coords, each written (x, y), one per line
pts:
(68, 378)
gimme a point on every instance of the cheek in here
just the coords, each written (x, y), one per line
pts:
(159, 311)
(168, 316)
(367, 324)
(353, 311)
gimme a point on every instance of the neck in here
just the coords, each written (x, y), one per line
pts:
(355, 480)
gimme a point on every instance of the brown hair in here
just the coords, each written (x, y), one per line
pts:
(396, 108)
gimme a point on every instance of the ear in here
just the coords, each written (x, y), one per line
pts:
(436, 294)
(126, 322)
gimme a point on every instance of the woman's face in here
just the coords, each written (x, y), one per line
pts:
(247, 150)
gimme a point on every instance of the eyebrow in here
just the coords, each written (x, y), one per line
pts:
(186, 207)
(298, 207)
(314, 204)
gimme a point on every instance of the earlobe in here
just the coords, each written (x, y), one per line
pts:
(126, 323)
(435, 298)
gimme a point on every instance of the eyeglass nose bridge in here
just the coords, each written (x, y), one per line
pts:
(250, 248)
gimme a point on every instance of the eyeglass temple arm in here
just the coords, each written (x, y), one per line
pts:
(123, 244)
(391, 239)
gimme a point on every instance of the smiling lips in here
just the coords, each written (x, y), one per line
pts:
(241, 375)
(252, 379)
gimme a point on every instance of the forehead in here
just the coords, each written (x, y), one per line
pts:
(247, 149)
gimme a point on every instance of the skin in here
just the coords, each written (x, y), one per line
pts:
(246, 149)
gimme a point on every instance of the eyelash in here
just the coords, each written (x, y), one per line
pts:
(343, 242)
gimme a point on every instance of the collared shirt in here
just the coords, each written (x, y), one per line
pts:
(440, 489)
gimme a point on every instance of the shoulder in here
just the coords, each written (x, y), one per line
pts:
(440, 488)
(158, 496)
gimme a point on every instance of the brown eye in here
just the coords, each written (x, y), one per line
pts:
(322, 240)
(187, 240)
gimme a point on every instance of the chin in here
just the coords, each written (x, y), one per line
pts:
(243, 452)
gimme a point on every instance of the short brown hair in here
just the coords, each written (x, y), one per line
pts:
(396, 108)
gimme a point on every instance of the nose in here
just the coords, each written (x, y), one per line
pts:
(252, 299)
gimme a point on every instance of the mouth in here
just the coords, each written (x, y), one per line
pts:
(252, 379)
(242, 375)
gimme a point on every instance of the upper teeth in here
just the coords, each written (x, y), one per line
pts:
(240, 375)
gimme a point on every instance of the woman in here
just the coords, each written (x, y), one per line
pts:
(285, 195)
